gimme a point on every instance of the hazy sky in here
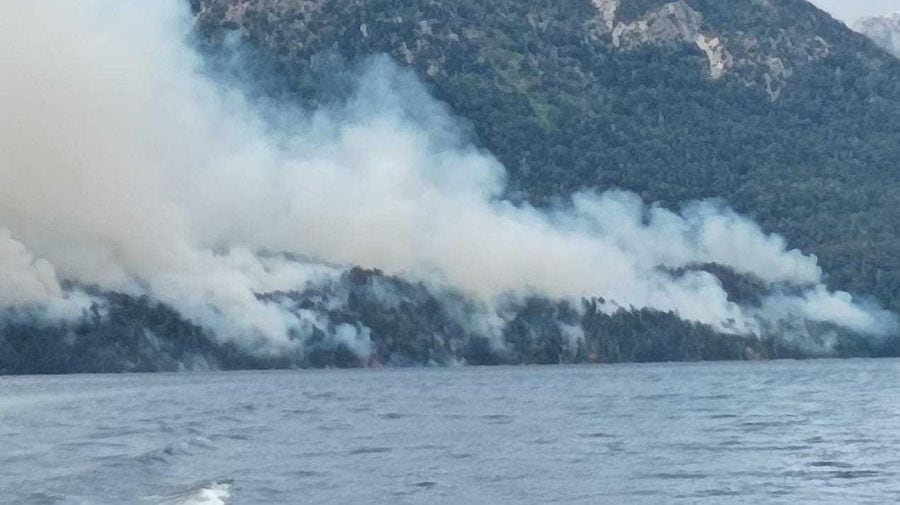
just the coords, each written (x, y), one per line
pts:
(849, 10)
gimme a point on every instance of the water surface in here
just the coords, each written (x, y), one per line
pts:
(781, 432)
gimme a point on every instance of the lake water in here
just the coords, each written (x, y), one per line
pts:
(781, 432)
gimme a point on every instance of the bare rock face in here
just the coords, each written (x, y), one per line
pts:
(883, 30)
(607, 10)
(772, 61)
(765, 62)
(720, 60)
(674, 22)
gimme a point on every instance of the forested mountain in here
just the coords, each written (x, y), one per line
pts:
(883, 30)
(771, 105)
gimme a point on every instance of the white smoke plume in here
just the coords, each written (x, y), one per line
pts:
(122, 165)
(24, 279)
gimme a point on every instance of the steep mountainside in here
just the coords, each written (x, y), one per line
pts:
(883, 30)
(771, 105)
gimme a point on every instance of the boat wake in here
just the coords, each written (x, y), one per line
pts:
(215, 492)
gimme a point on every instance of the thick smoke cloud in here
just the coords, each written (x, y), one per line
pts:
(123, 166)
(24, 279)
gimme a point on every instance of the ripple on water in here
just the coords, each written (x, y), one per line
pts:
(370, 450)
(170, 452)
(830, 464)
(306, 474)
(319, 395)
(716, 492)
(751, 426)
(47, 499)
(677, 475)
(833, 474)
(497, 419)
(598, 434)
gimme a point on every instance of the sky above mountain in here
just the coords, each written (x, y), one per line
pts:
(851, 10)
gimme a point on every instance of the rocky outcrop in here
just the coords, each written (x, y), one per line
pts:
(883, 30)
(720, 60)
(607, 10)
(772, 61)
(768, 62)
(675, 22)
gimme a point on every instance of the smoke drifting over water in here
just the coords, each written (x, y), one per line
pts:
(123, 166)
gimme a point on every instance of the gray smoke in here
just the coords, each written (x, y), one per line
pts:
(123, 166)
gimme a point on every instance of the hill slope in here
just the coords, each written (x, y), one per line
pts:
(775, 107)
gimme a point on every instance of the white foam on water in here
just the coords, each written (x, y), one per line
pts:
(215, 493)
